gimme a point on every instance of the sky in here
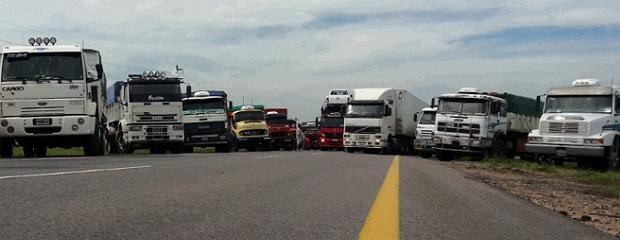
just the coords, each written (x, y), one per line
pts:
(291, 53)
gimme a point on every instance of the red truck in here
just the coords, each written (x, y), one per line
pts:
(310, 139)
(331, 126)
(283, 134)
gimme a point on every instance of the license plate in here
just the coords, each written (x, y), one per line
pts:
(42, 121)
(362, 137)
(560, 153)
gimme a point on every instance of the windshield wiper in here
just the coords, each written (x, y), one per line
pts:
(18, 78)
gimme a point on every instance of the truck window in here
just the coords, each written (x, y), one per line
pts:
(277, 120)
(154, 92)
(463, 106)
(201, 106)
(579, 104)
(249, 115)
(42, 66)
(428, 118)
(332, 122)
(617, 104)
(375, 110)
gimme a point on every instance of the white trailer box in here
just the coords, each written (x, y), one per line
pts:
(381, 118)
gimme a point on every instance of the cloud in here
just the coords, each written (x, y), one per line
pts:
(291, 52)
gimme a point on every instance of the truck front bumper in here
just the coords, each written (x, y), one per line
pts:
(461, 143)
(565, 150)
(206, 140)
(148, 135)
(331, 143)
(15, 127)
(425, 144)
(352, 140)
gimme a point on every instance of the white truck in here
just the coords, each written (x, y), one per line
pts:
(381, 119)
(580, 122)
(424, 132)
(51, 96)
(145, 111)
(483, 123)
(205, 120)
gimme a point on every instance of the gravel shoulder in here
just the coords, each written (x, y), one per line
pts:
(572, 199)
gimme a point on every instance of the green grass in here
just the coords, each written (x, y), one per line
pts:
(601, 183)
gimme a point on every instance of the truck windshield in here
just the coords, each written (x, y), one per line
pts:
(42, 66)
(277, 120)
(332, 122)
(249, 116)
(578, 104)
(202, 106)
(365, 111)
(428, 118)
(154, 92)
(463, 106)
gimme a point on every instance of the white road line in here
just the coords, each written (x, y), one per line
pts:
(73, 172)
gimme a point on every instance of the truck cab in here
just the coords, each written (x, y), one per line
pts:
(331, 126)
(282, 132)
(483, 124)
(310, 139)
(424, 132)
(51, 96)
(580, 122)
(205, 121)
(249, 128)
(146, 112)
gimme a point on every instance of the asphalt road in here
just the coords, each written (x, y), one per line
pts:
(272, 195)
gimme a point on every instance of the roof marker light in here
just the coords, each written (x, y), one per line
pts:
(39, 41)
(31, 41)
(53, 40)
(586, 82)
(46, 41)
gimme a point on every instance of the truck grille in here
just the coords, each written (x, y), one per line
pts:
(51, 110)
(351, 129)
(254, 132)
(156, 117)
(42, 130)
(205, 127)
(333, 135)
(453, 127)
(569, 128)
(426, 133)
(278, 134)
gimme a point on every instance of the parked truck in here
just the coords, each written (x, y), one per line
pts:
(580, 122)
(145, 111)
(310, 139)
(283, 134)
(52, 96)
(423, 143)
(205, 121)
(381, 119)
(483, 124)
(249, 128)
(331, 124)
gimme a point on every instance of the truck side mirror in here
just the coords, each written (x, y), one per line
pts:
(388, 111)
(415, 117)
(230, 104)
(99, 69)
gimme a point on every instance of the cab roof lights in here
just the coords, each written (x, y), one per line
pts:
(38, 41)
(586, 82)
(247, 107)
(469, 90)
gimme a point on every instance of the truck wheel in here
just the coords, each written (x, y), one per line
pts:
(6, 148)
(40, 151)
(498, 149)
(92, 144)
(178, 148)
(445, 155)
(190, 149)
(426, 154)
(121, 145)
(610, 161)
(28, 150)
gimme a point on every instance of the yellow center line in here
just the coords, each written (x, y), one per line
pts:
(382, 222)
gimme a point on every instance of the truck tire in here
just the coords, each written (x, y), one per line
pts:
(426, 154)
(445, 155)
(610, 161)
(498, 149)
(178, 148)
(28, 150)
(40, 151)
(6, 148)
(121, 145)
(93, 143)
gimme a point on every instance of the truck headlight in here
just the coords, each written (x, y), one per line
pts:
(346, 135)
(4, 123)
(378, 136)
(475, 142)
(534, 139)
(177, 127)
(135, 128)
(594, 141)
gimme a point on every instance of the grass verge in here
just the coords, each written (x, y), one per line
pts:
(601, 183)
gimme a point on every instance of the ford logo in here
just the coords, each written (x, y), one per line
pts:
(42, 103)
